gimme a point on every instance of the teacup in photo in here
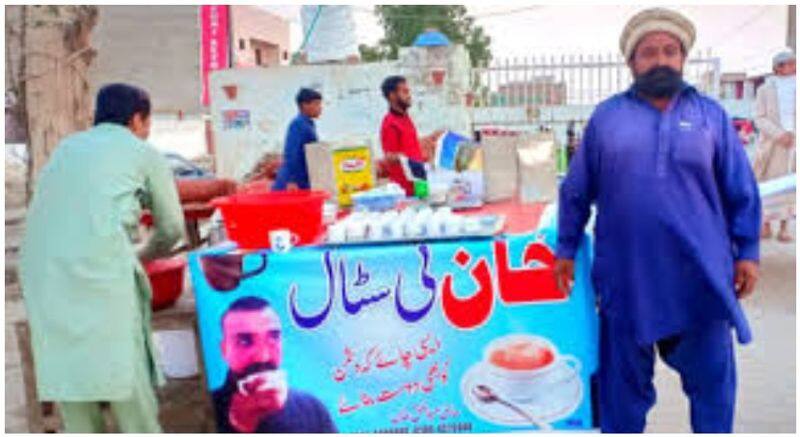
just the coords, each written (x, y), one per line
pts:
(262, 381)
(524, 367)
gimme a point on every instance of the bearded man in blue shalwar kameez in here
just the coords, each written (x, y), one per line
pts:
(677, 232)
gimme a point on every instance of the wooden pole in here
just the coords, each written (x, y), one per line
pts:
(15, 92)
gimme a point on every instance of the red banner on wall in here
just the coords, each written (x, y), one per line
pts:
(214, 43)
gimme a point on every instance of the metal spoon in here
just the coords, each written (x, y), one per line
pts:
(487, 396)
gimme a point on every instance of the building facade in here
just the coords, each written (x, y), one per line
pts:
(740, 86)
(258, 37)
(158, 49)
(154, 47)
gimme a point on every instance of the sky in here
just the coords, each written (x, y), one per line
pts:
(744, 37)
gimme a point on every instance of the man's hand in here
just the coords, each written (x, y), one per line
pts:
(746, 278)
(291, 186)
(565, 275)
(786, 139)
(247, 411)
(391, 157)
(436, 134)
(428, 145)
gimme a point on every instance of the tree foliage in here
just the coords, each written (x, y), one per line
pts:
(403, 23)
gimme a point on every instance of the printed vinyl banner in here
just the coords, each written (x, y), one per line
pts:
(213, 45)
(467, 336)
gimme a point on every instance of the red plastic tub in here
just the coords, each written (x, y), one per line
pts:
(249, 217)
(166, 280)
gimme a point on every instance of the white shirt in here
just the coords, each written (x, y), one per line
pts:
(785, 86)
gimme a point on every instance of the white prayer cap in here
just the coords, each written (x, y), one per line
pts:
(783, 56)
(656, 20)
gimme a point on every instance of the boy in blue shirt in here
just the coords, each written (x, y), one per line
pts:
(293, 173)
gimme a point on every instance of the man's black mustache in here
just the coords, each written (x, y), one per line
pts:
(661, 71)
(257, 368)
(659, 82)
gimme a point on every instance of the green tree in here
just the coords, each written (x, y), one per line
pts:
(402, 24)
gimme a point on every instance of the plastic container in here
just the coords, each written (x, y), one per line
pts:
(421, 189)
(376, 202)
(249, 217)
(166, 281)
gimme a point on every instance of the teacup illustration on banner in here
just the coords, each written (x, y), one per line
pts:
(224, 272)
(523, 380)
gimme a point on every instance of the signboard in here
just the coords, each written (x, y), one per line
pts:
(467, 336)
(235, 119)
(214, 43)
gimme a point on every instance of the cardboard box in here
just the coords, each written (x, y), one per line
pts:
(340, 169)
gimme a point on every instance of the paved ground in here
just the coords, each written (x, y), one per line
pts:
(766, 401)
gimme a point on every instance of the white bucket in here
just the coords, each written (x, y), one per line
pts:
(177, 353)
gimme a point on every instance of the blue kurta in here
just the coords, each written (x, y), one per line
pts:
(677, 204)
(294, 170)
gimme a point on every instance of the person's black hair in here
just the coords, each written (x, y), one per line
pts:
(390, 84)
(118, 102)
(247, 303)
(307, 95)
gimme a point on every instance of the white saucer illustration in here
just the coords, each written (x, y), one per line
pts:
(533, 397)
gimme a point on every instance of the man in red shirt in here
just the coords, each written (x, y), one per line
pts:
(405, 153)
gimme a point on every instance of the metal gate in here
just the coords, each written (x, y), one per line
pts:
(550, 92)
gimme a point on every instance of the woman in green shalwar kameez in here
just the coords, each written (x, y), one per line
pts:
(86, 293)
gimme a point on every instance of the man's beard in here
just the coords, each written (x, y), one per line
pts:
(255, 368)
(659, 82)
(403, 104)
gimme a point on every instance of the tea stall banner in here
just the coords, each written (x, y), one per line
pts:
(466, 336)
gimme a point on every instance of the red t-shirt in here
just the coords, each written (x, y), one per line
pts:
(398, 135)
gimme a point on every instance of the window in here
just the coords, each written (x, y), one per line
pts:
(241, 44)
(258, 56)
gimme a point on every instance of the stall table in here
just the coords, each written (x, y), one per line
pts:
(520, 217)
(406, 337)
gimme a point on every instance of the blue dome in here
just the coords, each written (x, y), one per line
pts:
(431, 39)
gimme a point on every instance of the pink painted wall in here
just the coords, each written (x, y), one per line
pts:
(262, 30)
